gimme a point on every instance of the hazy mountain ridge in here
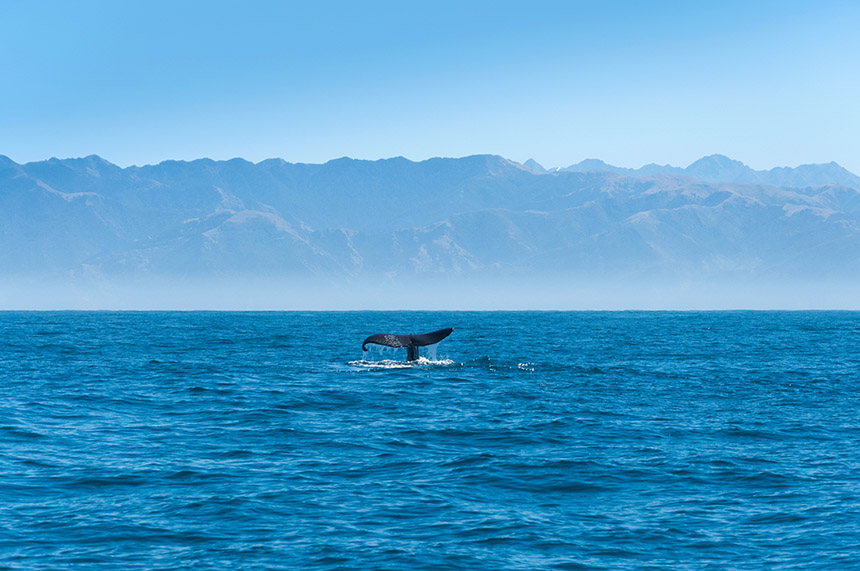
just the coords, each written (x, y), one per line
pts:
(478, 215)
(719, 168)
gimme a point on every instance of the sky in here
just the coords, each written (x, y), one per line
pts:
(137, 82)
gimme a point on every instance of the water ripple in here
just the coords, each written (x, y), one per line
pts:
(254, 441)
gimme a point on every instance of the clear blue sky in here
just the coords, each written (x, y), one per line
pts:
(768, 83)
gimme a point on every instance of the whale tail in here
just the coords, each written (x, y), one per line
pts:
(411, 342)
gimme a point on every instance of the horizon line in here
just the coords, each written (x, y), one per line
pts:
(548, 170)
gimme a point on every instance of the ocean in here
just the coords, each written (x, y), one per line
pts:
(526, 440)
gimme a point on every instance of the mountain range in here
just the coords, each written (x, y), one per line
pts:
(719, 168)
(481, 215)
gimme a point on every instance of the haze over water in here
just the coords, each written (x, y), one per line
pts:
(534, 441)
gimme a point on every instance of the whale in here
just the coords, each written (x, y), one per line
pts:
(411, 342)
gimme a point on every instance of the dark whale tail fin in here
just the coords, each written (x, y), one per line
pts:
(430, 338)
(411, 342)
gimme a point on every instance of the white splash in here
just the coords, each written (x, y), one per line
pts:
(396, 364)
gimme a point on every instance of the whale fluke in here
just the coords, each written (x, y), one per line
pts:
(411, 342)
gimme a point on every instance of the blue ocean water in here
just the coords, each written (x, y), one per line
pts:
(715, 440)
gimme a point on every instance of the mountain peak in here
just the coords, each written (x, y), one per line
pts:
(720, 168)
(716, 161)
(591, 165)
(342, 161)
(273, 161)
(534, 165)
(95, 161)
(597, 165)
